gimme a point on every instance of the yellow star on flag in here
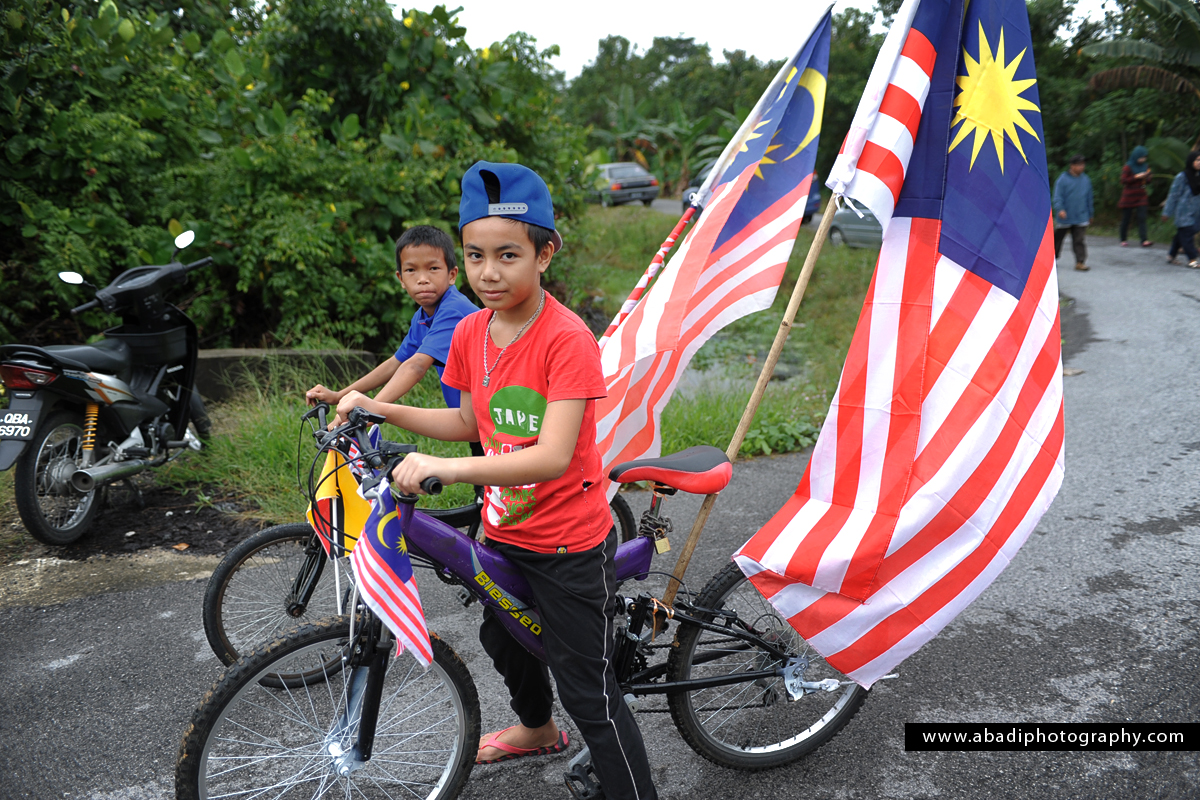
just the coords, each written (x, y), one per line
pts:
(990, 102)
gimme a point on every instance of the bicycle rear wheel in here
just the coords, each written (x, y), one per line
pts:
(623, 520)
(248, 600)
(249, 740)
(752, 725)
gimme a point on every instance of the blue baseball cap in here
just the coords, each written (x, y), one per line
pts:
(511, 191)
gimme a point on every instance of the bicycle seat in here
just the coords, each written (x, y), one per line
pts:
(697, 470)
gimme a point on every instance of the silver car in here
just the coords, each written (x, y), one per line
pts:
(849, 230)
(623, 182)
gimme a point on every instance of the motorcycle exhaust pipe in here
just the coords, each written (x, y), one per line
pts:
(85, 480)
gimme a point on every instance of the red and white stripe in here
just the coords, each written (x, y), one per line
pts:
(394, 600)
(873, 160)
(701, 292)
(942, 449)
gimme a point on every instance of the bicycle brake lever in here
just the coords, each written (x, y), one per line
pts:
(370, 486)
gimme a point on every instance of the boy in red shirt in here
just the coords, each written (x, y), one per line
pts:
(529, 373)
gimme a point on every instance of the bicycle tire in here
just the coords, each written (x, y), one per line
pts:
(245, 603)
(623, 519)
(279, 739)
(751, 726)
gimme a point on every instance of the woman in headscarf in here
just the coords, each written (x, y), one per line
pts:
(1134, 177)
(1183, 204)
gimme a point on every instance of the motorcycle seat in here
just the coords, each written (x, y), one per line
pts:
(108, 356)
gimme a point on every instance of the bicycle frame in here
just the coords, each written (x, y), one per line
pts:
(498, 584)
(493, 579)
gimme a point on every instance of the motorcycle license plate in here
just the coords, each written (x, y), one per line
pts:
(17, 425)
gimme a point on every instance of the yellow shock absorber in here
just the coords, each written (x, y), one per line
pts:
(89, 428)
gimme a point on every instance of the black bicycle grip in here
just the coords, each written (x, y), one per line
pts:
(319, 410)
(88, 305)
(431, 485)
(204, 262)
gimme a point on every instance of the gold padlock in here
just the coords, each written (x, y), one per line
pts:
(661, 545)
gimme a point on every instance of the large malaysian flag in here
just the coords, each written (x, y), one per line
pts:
(943, 446)
(732, 261)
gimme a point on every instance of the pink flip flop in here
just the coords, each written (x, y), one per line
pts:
(511, 752)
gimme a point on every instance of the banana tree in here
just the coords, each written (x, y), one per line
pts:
(632, 134)
(686, 140)
(1178, 23)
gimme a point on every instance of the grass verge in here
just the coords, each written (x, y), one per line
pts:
(258, 444)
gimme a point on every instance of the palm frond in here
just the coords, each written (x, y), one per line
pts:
(1123, 48)
(1142, 77)
(1181, 16)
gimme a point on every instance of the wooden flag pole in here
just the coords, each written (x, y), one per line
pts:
(760, 388)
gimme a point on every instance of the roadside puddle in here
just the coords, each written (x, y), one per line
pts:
(50, 581)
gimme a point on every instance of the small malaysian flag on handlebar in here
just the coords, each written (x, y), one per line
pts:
(385, 578)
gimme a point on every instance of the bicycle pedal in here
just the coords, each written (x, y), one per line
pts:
(581, 783)
(465, 597)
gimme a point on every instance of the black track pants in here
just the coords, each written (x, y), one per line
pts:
(574, 593)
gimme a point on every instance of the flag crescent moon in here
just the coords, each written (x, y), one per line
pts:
(814, 84)
(379, 529)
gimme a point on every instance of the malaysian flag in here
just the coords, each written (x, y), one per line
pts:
(385, 578)
(729, 265)
(944, 443)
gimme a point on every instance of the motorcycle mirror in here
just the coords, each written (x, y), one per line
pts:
(73, 278)
(184, 239)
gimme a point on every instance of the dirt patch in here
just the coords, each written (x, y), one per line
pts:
(163, 518)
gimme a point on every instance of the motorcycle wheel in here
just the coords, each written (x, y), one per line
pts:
(53, 511)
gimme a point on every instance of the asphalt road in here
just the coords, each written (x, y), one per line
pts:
(1094, 621)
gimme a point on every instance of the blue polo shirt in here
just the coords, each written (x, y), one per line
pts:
(431, 335)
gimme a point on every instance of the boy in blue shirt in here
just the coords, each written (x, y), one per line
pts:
(427, 269)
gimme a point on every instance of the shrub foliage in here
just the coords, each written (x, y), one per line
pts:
(297, 139)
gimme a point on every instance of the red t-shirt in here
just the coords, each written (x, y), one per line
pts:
(556, 359)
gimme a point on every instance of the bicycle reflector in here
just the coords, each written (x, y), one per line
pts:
(15, 376)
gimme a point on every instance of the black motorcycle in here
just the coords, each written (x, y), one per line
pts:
(83, 416)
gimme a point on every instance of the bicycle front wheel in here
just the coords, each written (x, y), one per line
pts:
(250, 600)
(752, 725)
(249, 740)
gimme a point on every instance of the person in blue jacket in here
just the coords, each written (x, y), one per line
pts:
(1183, 203)
(1073, 210)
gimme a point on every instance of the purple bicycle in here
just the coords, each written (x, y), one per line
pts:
(325, 710)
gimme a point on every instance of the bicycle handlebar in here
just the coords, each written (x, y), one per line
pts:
(204, 262)
(355, 426)
(88, 305)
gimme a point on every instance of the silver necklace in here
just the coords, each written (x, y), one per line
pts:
(487, 335)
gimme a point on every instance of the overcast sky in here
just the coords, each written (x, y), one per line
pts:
(759, 28)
